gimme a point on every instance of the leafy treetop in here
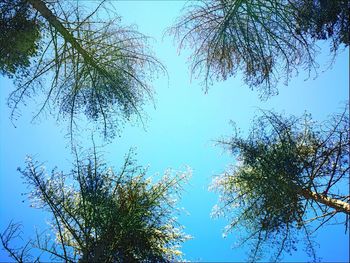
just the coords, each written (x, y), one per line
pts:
(289, 172)
(99, 215)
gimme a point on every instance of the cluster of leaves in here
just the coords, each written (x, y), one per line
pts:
(19, 37)
(87, 64)
(104, 216)
(265, 39)
(287, 170)
(323, 19)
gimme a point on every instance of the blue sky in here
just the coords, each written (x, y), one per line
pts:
(180, 130)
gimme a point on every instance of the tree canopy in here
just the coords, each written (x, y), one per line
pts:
(82, 62)
(99, 215)
(265, 40)
(325, 20)
(288, 172)
(22, 30)
(75, 60)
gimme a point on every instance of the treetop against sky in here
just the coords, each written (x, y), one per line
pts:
(97, 67)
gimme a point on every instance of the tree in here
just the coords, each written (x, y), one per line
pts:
(22, 31)
(103, 216)
(266, 40)
(83, 62)
(325, 20)
(289, 172)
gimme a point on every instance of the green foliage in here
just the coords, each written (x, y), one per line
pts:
(266, 39)
(325, 20)
(19, 37)
(279, 165)
(88, 64)
(105, 216)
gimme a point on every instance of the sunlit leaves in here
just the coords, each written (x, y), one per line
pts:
(99, 215)
(289, 172)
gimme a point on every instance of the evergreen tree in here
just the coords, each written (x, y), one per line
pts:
(82, 61)
(99, 215)
(266, 40)
(288, 172)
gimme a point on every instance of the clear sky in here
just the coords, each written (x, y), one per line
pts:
(180, 130)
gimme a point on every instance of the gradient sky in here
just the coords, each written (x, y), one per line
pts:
(180, 130)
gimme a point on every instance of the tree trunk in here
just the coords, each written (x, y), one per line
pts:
(338, 205)
(41, 7)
